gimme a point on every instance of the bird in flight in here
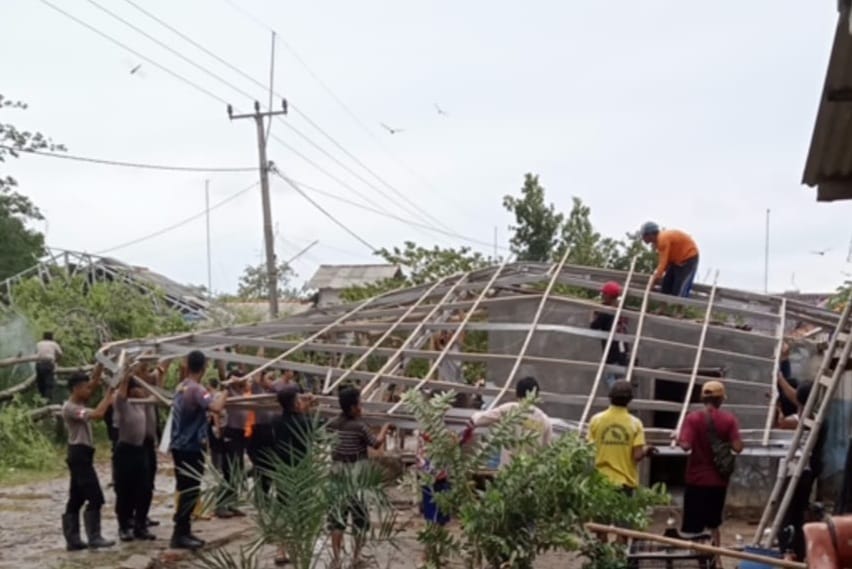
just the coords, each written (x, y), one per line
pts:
(391, 130)
(135, 69)
(820, 253)
(441, 111)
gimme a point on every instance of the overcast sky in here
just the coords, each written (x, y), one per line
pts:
(697, 115)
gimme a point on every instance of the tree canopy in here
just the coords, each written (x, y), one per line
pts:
(254, 283)
(22, 246)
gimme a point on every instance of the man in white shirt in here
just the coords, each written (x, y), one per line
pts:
(48, 352)
(536, 420)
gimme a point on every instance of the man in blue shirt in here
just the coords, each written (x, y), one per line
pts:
(189, 436)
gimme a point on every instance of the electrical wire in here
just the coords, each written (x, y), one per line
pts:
(180, 223)
(418, 210)
(324, 211)
(330, 92)
(124, 164)
(124, 46)
(409, 222)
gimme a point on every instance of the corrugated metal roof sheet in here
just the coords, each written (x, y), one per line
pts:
(343, 276)
(829, 163)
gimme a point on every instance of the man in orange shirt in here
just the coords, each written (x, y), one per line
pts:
(678, 258)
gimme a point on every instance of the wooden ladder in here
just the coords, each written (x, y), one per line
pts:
(811, 420)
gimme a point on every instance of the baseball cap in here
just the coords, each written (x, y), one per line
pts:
(713, 389)
(611, 288)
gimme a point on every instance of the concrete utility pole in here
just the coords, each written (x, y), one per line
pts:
(268, 237)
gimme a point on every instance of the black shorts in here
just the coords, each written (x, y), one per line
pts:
(702, 508)
(678, 278)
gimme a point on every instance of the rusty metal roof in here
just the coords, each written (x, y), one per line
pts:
(829, 163)
(344, 276)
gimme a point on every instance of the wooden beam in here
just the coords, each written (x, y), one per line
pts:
(776, 369)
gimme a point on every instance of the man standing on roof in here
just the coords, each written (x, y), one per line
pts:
(678, 258)
(619, 351)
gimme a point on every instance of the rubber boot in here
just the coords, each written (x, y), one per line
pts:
(71, 531)
(92, 521)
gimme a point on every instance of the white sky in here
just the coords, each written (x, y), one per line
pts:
(696, 115)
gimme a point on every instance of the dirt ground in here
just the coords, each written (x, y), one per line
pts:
(31, 537)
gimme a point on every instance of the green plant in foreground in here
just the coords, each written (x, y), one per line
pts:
(538, 502)
(295, 513)
(24, 444)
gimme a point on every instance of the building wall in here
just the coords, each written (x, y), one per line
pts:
(753, 481)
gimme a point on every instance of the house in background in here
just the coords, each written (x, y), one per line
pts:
(331, 280)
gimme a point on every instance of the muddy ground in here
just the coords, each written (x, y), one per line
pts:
(31, 537)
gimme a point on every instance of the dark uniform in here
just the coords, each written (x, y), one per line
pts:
(189, 435)
(133, 490)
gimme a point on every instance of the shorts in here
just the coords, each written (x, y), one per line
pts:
(702, 508)
(357, 510)
(431, 512)
(678, 278)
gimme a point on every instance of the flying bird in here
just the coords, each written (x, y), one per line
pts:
(441, 111)
(820, 253)
(391, 130)
(135, 69)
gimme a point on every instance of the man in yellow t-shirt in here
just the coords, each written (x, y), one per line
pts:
(619, 439)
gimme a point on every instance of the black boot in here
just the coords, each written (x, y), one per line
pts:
(152, 523)
(71, 531)
(125, 534)
(140, 531)
(185, 542)
(92, 521)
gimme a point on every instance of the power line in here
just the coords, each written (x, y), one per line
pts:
(124, 164)
(324, 211)
(418, 210)
(180, 223)
(124, 46)
(330, 92)
(389, 215)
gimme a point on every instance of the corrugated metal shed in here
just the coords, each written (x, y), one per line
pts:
(344, 276)
(829, 163)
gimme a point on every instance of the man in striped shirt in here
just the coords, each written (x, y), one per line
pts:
(354, 438)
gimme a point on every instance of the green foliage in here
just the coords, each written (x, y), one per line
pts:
(83, 315)
(305, 493)
(537, 224)
(543, 234)
(254, 283)
(22, 246)
(540, 501)
(24, 444)
(419, 265)
(838, 301)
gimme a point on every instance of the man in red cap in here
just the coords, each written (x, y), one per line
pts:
(619, 351)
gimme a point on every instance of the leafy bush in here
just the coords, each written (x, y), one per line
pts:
(540, 501)
(295, 513)
(24, 445)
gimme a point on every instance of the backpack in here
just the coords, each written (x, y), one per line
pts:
(724, 459)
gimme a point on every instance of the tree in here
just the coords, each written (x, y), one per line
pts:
(22, 246)
(420, 265)
(254, 283)
(536, 233)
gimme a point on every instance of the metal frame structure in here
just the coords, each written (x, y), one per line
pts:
(397, 324)
(96, 268)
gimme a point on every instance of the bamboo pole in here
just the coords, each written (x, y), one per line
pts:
(607, 346)
(696, 364)
(468, 315)
(390, 330)
(391, 361)
(634, 349)
(542, 303)
(694, 546)
(773, 389)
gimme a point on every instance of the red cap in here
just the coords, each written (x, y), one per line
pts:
(611, 288)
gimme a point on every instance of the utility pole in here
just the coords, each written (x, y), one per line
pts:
(268, 236)
(207, 215)
(766, 258)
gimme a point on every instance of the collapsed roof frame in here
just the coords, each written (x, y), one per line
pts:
(411, 316)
